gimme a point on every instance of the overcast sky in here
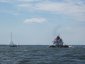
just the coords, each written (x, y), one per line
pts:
(38, 22)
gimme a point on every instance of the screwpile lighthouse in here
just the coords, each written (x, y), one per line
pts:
(58, 42)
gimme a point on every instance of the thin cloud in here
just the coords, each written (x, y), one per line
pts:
(28, 0)
(75, 9)
(35, 20)
(5, 0)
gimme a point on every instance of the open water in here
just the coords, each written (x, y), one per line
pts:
(40, 54)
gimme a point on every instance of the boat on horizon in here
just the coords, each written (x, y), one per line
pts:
(58, 43)
(12, 43)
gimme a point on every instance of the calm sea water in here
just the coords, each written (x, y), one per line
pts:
(37, 54)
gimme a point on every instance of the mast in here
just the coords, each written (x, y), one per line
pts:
(11, 42)
(11, 36)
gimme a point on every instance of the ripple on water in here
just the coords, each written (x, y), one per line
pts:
(41, 55)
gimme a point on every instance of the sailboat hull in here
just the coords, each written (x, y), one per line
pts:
(13, 45)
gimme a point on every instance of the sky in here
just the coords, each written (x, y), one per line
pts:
(38, 22)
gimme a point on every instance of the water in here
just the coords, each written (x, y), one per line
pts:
(42, 55)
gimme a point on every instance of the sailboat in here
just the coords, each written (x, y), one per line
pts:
(58, 42)
(11, 42)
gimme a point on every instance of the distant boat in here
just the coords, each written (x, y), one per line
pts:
(58, 42)
(12, 43)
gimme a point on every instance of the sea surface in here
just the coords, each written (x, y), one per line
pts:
(41, 54)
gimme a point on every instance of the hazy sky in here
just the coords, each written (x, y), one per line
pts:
(40, 21)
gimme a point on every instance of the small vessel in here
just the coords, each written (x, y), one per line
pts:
(11, 42)
(58, 42)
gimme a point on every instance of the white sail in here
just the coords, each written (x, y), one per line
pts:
(11, 42)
